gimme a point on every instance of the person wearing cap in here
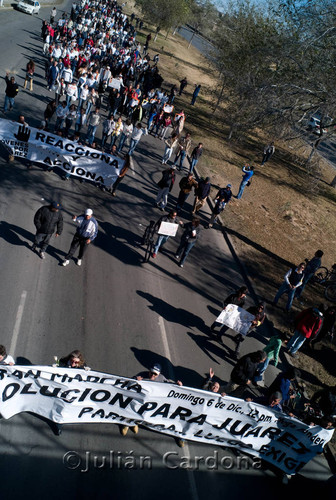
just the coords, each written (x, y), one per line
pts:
(201, 194)
(153, 375)
(86, 232)
(46, 220)
(307, 325)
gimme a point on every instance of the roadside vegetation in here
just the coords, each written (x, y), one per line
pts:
(267, 75)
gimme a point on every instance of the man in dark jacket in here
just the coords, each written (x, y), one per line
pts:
(47, 219)
(165, 186)
(244, 371)
(188, 239)
(11, 91)
(186, 184)
(201, 194)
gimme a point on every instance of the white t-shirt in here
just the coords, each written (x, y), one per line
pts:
(8, 359)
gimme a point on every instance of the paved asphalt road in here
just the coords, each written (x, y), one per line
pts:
(123, 314)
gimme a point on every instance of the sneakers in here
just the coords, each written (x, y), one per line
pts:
(181, 265)
(124, 430)
(33, 247)
(177, 256)
(114, 194)
(65, 262)
(42, 255)
(153, 255)
(79, 262)
(135, 429)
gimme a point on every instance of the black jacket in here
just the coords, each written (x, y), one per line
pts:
(11, 88)
(46, 220)
(167, 180)
(244, 370)
(203, 189)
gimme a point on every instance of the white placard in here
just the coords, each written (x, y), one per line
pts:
(168, 229)
(236, 318)
(115, 84)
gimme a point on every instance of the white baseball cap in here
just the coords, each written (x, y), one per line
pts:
(88, 211)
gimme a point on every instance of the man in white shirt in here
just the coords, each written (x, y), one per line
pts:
(67, 75)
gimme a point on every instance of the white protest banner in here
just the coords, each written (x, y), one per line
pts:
(168, 229)
(66, 395)
(55, 151)
(236, 318)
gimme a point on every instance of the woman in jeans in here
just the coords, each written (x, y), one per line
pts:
(170, 145)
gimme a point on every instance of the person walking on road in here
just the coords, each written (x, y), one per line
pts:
(183, 150)
(165, 184)
(244, 372)
(163, 238)
(87, 231)
(188, 239)
(11, 92)
(46, 220)
(186, 185)
(201, 194)
(195, 156)
(30, 70)
(122, 174)
(248, 171)
(238, 299)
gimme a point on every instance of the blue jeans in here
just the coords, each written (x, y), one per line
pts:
(160, 241)
(132, 147)
(261, 369)
(193, 164)
(91, 133)
(284, 288)
(242, 186)
(299, 290)
(295, 342)
(167, 154)
(121, 142)
(104, 139)
(9, 102)
(185, 247)
(181, 158)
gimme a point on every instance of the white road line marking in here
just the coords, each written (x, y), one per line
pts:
(17, 324)
(132, 167)
(171, 375)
